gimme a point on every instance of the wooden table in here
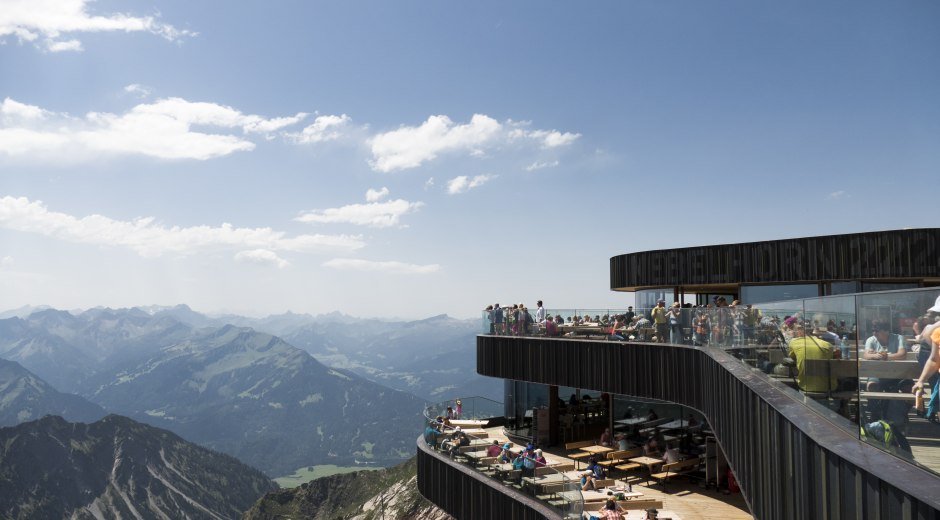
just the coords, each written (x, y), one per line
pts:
(596, 450)
(649, 462)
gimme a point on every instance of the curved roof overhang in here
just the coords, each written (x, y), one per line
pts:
(900, 255)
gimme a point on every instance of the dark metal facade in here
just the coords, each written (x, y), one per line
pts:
(791, 463)
(912, 254)
(468, 495)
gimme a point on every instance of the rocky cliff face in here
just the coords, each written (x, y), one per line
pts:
(118, 468)
(364, 495)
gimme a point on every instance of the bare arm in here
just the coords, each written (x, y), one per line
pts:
(930, 368)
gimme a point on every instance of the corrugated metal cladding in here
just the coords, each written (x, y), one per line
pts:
(790, 462)
(468, 495)
(903, 254)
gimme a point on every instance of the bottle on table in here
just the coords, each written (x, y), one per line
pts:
(844, 346)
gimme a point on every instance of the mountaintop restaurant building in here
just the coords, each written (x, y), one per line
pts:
(794, 455)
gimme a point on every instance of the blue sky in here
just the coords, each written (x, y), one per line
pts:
(557, 135)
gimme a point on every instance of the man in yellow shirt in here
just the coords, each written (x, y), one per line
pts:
(661, 320)
(803, 347)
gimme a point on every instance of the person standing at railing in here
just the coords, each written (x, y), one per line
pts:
(497, 319)
(661, 319)
(628, 317)
(752, 319)
(675, 323)
(539, 313)
(701, 328)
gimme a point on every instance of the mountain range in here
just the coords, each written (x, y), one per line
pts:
(225, 383)
(118, 468)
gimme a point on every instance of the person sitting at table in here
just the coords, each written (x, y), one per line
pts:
(612, 510)
(494, 449)
(506, 456)
(587, 480)
(622, 443)
(596, 469)
(551, 328)
(432, 434)
(651, 416)
(803, 347)
(651, 448)
(693, 422)
(605, 439)
(671, 455)
(615, 332)
(883, 345)
(540, 460)
(459, 440)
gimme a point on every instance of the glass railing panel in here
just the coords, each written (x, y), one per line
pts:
(892, 356)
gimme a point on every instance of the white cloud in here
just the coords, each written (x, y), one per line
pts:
(355, 264)
(376, 195)
(14, 111)
(6, 261)
(261, 257)
(373, 214)
(538, 165)
(428, 183)
(63, 46)
(463, 183)
(410, 146)
(30, 20)
(162, 129)
(148, 238)
(836, 195)
(323, 129)
(138, 90)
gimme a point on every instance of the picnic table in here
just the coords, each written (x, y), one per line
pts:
(649, 462)
(596, 450)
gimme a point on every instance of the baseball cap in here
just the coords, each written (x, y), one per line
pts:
(936, 306)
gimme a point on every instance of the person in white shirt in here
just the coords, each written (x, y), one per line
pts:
(671, 455)
(539, 313)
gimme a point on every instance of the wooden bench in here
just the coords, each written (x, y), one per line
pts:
(627, 465)
(641, 503)
(618, 457)
(676, 468)
(571, 446)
